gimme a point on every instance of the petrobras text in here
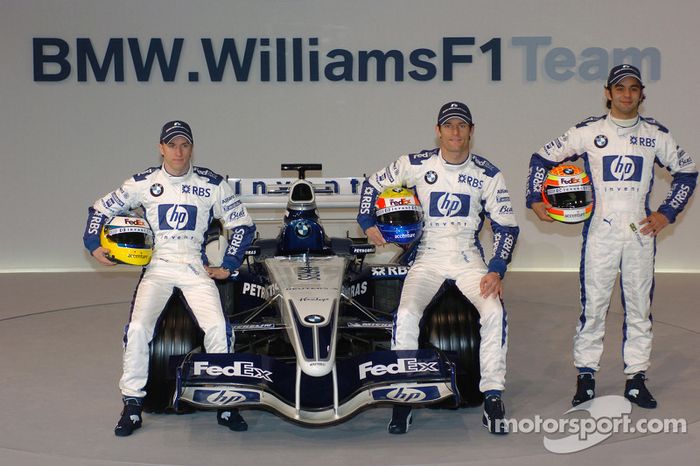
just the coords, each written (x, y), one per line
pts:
(307, 59)
(238, 369)
(401, 366)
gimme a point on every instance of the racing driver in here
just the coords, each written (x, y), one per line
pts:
(619, 151)
(179, 201)
(457, 189)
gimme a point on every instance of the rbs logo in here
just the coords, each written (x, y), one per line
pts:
(177, 217)
(449, 204)
(622, 168)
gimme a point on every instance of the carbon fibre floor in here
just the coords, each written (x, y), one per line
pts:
(61, 344)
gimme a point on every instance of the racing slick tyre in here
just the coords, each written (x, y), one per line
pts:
(176, 334)
(451, 324)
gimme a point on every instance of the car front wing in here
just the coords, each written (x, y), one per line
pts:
(245, 380)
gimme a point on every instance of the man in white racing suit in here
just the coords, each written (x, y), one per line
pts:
(180, 201)
(619, 151)
(457, 189)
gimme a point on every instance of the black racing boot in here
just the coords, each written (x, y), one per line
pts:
(131, 417)
(494, 418)
(232, 419)
(585, 388)
(401, 418)
(636, 391)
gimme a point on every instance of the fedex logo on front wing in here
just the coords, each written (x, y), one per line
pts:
(449, 204)
(401, 366)
(238, 369)
(622, 167)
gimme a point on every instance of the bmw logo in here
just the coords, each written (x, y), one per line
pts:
(156, 189)
(568, 171)
(600, 141)
(431, 177)
(313, 319)
(302, 229)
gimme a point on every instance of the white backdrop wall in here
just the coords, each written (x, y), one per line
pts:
(68, 141)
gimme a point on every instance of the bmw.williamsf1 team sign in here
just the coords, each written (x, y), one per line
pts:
(308, 59)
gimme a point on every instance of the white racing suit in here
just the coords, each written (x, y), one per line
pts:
(455, 200)
(620, 164)
(179, 211)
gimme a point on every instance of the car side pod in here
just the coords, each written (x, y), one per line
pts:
(242, 380)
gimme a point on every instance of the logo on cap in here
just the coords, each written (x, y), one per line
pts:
(620, 72)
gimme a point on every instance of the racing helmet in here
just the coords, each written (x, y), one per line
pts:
(567, 194)
(128, 239)
(399, 215)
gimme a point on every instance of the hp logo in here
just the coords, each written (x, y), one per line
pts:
(622, 167)
(444, 204)
(225, 397)
(177, 217)
(406, 394)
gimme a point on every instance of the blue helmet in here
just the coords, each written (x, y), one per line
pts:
(399, 216)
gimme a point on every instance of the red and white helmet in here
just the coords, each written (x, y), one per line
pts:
(567, 194)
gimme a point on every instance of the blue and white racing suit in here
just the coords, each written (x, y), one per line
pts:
(179, 210)
(620, 162)
(455, 200)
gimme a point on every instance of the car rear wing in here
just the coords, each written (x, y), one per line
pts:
(272, 193)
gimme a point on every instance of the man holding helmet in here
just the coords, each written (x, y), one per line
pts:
(619, 150)
(456, 189)
(179, 201)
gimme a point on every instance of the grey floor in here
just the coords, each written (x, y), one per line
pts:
(60, 336)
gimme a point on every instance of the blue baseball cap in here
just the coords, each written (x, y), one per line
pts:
(176, 128)
(454, 110)
(620, 72)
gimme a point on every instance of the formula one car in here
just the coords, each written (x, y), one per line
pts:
(312, 320)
